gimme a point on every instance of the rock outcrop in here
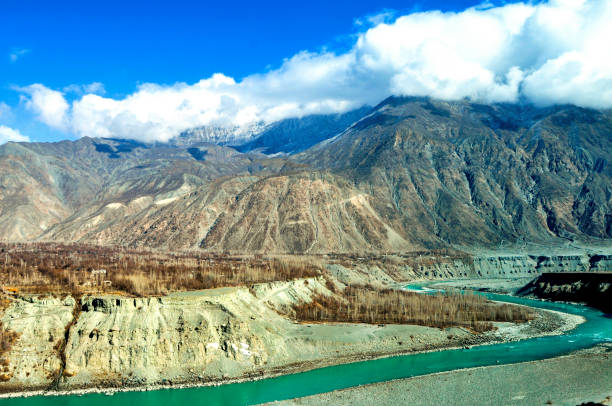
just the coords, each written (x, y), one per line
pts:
(34, 361)
(593, 289)
(431, 266)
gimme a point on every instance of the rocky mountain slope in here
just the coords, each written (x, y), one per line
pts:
(413, 173)
(465, 173)
(44, 184)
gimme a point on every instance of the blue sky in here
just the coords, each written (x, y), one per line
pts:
(66, 46)
(121, 43)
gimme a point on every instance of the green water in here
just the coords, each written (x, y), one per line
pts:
(421, 288)
(597, 329)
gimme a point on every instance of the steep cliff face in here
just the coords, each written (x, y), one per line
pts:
(429, 266)
(184, 337)
(195, 337)
(176, 338)
(34, 360)
(594, 289)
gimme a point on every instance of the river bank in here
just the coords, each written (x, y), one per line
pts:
(301, 347)
(581, 377)
(507, 286)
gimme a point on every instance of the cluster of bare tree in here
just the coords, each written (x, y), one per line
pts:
(364, 304)
(58, 268)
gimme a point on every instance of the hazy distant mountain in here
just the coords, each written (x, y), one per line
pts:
(285, 136)
(297, 134)
(218, 135)
(408, 174)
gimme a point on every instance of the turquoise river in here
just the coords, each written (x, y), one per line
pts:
(597, 329)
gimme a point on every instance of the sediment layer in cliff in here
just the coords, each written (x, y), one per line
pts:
(201, 337)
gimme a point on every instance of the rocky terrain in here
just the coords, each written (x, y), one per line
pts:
(410, 174)
(471, 174)
(205, 336)
(440, 267)
(593, 289)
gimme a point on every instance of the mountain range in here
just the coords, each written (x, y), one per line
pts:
(408, 174)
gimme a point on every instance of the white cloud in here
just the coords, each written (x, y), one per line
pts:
(9, 134)
(580, 71)
(554, 52)
(17, 53)
(50, 106)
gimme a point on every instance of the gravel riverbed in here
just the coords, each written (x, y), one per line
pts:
(581, 377)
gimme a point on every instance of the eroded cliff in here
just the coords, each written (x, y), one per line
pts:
(195, 337)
